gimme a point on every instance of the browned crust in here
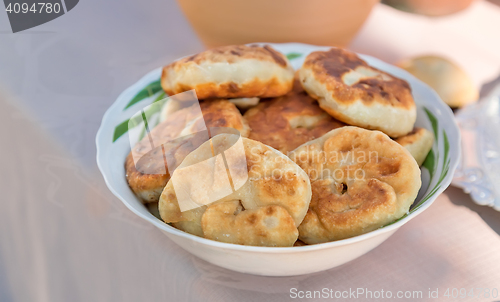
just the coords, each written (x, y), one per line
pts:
(329, 67)
(270, 121)
(231, 53)
(255, 88)
(142, 182)
(222, 113)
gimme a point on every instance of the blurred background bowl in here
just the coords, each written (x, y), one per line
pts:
(319, 22)
(431, 8)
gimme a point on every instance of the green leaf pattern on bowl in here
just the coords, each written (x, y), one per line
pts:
(148, 91)
(293, 55)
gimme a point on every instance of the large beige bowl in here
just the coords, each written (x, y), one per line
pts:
(320, 22)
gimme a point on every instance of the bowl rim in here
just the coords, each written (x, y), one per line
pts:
(445, 109)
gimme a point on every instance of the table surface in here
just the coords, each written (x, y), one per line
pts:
(65, 237)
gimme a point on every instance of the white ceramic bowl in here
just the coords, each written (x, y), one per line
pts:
(437, 173)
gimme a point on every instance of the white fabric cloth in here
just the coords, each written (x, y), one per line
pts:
(65, 237)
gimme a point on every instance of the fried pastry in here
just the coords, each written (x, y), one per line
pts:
(147, 177)
(269, 199)
(355, 93)
(361, 180)
(448, 79)
(287, 122)
(237, 71)
(418, 143)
